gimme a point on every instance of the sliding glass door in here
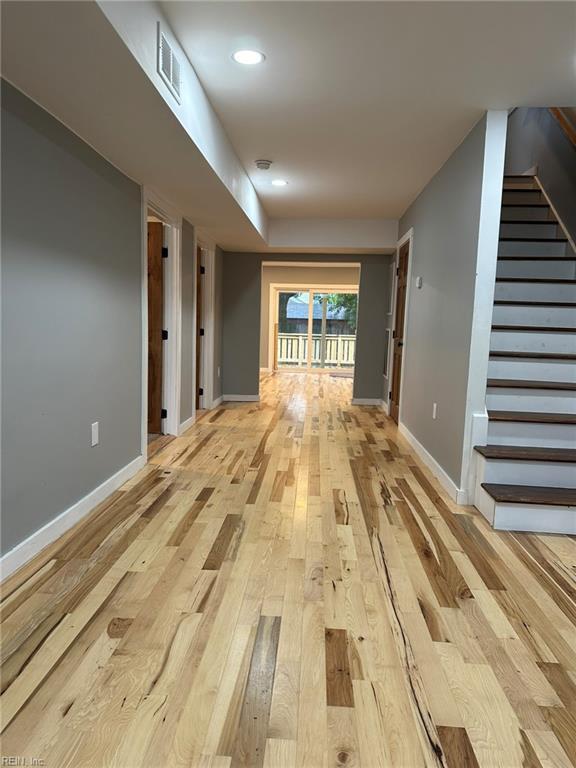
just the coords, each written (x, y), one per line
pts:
(316, 330)
(334, 330)
(292, 329)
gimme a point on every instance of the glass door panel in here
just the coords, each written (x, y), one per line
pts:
(334, 330)
(292, 329)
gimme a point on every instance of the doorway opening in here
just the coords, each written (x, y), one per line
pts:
(403, 266)
(315, 329)
(156, 330)
(200, 271)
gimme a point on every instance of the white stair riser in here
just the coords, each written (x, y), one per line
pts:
(556, 316)
(526, 213)
(536, 435)
(538, 370)
(536, 401)
(535, 517)
(528, 341)
(528, 230)
(542, 473)
(528, 248)
(548, 292)
(513, 196)
(543, 268)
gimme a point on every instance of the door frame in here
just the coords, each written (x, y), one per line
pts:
(407, 236)
(275, 289)
(151, 201)
(208, 322)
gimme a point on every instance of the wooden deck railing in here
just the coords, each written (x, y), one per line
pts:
(292, 350)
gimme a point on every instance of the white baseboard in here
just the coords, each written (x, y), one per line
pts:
(31, 546)
(459, 495)
(187, 424)
(367, 401)
(240, 398)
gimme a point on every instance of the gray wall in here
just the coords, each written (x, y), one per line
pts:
(218, 308)
(445, 218)
(188, 312)
(371, 332)
(241, 323)
(241, 319)
(298, 276)
(536, 139)
(71, 318)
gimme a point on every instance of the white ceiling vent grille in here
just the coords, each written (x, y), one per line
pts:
(168, 65)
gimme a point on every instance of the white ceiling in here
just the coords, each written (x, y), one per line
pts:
(359, 103)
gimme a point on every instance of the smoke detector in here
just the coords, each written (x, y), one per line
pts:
(263, 165)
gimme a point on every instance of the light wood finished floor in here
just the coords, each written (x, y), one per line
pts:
(286, 586)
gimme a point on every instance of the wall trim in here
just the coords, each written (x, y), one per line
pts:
(408, 236)
(240, 398)
(459, 495)
(187, 424)
(48, 533)
(484, 284)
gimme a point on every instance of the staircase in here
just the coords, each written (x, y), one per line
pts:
(526, 474)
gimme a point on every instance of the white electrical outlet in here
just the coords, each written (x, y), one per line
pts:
(95, 435)
(434, 410)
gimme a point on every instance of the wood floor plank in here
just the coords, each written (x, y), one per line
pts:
(250, 741)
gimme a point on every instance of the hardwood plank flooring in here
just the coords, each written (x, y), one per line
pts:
(286, 585)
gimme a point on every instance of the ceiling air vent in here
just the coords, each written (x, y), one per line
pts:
(168, 65)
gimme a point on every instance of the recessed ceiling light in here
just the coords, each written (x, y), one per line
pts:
(248, 57)
(280, 183)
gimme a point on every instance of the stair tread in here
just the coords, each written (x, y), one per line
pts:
(529, 257)
(532, 417)
(567, 386)
(534, 239)
(536, 328)
(553, 280)
(532, 355)
(528, 303)
(531, 494)
(553, 222)
(527, 453)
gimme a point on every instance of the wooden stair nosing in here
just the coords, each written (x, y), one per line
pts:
(528, 303)
(534, 328)
(547, 280)
(533, 239)
(538, 222)
(532, 355)
(519, 257)
(559, 386)
(531, 494)
(527, 453)
(531, 417)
